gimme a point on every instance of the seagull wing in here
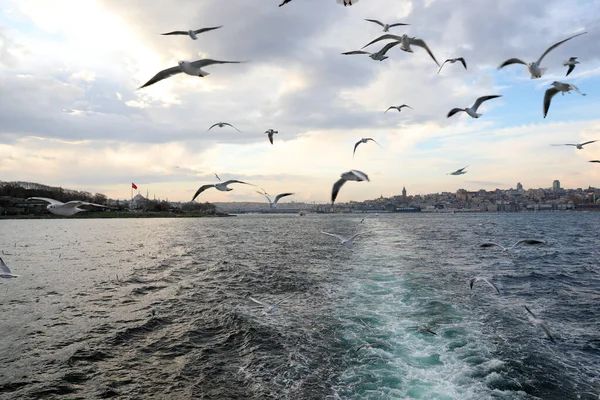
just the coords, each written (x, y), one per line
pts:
(528, 241)
(4, 267)
(463, 62)
(512, 61)
(336, 188)
(571, 68)
(228, 124)
(207, 61)
(491, 244)
(355, 146)
(397, 24)
(217, 176)
(546, 330)
(548, 98)
(555, 45)
(575, 88)
(421, 43)
(591, 141)
(335, 235)
(279, 196)
(85, 203)
(442, 65)
(388, 46)
(259, 302)
(486, 280)
(425, 329)
(373, 140)
(235, 181)
(453, 111)
(51, 201)
(74, 203)
(348, 53)
(207, 29)
(358, 234)
(175, 33)
(529, 311)
(164, 74)
(375, 21)
(212, 126)
(389, 108)
(482, 99)
(383, 37)
(201, 189)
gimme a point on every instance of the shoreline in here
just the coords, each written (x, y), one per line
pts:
(107, 215)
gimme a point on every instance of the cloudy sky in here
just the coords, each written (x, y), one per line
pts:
(71, 114)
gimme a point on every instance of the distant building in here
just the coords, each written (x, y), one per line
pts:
(519, 187)
(556, 186)
(403, 194)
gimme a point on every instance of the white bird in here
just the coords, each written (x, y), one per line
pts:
(533, 320)
(193, 68)
(472, 111)
(219, 186)
(363, 140)
(571, 63)
(458, 171)
(399, 108)
(558, 87)
(486, 280)
(5, 272)
(406, 42)
(386, 27)
(352, 175)
(346, 241)
(378, 56)
(273, 204)
(222, 124)
(514, 246)
(270, 133)
(270, 308)
(534, 67)
(65, 209)
(346, 2)
(192, 33)
(578, 146)
(452, 61)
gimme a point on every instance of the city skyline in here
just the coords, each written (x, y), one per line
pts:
(81, 123)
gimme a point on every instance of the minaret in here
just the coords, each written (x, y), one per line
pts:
(403, 193)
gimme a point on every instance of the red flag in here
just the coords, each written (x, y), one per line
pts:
(133, 186)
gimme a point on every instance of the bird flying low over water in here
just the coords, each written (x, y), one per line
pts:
(423, 328)
(534, 67)
(458, 171)
(269, 309)
(452, 61)
(192, 33)
(571, 63)
(578, 146)
(222, 124)
(472, 111)
(346, 2)
(558, 87)
(378, 56)
(533, 320)
(5, 272)
(219, 186)
(352, 175)
(405, 43)
(486, 280)
(346, 241)
(273, 204)
(193, 68)
(517, 244)
(399, 108)
(65, 209)
(270, 133)
(363, 140)
(386, 27)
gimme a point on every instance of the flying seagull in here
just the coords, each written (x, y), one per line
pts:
(5, 271)
(346, 241)
(193, 68)
(578, 146)
(217, 176)
(534, 67)
(406, 42)
(386, 27)
(486, 280)
(219, 186)
(284, 2)
(399, 108)
(517, 244)
(571, 63)
(533, 320)
(192, 33)
(347, 2)
(222, 124)
(273, 204)
(363, 140)
(378, 56)
(558, 87)
(352, 175)
(270, 308)
(65, 209)
(452, 61)
(270, 133)
(472, 111)
(458, 171)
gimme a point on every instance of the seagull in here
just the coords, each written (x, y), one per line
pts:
(533, 320)
(406, 42)
(193, 68)
(270, 308)
(271, 132)
(596, 161)
(284, 2)
(273, 204)
(192, 33)
(65, 209)
(5, 271)
(452, 61)
(534, 67)
(222, 124)
(459, 171)
(422, 328)
(346, 241)
(472, 111)
(378, 56)
(217, 176)
(352, 175)
(558, 87)
(571, 63)
(486, 280)
(386, 27)
(219, 186)
(399, 108)
(517, 244)
(578, 146)
(347, 2)
(363, 140)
